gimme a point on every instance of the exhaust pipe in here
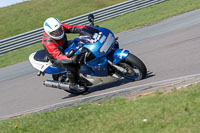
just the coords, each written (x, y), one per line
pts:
(55, 84)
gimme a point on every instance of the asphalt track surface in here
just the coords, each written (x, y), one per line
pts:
(169, 48)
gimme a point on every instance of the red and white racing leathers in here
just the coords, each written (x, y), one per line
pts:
(55, 48)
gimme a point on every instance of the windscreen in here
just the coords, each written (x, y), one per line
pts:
(89, 35)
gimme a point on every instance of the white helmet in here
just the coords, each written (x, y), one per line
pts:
(53, 27)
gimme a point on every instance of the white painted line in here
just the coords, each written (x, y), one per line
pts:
(97, 95)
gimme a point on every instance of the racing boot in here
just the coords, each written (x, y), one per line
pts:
(74, 81)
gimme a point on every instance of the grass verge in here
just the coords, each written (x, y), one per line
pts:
(18, 55)
(30, 15)
(174, 112)
(131, 20)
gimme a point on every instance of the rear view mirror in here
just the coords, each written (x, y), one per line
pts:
(91, 19)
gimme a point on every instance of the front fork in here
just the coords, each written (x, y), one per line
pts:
(117, 56)
(119, 68)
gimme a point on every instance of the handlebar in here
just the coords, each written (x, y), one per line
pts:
(72, 51)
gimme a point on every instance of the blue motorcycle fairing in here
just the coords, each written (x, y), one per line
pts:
(74, 46)
(101, 42)
(100, 47)
(96, 67)
(119, 55)
(86, 70)
(99, 66)
(54, 70)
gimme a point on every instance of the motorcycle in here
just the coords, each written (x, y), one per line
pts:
(101, 62)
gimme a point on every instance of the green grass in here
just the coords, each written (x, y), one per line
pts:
(19, 55)
(30, 15)
(151, 14)
(174, 112)
(131, 20)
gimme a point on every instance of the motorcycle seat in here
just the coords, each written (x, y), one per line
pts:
(41, 55)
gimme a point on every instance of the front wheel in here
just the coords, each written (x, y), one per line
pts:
(135, 68)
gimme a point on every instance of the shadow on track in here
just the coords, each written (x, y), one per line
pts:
(109, 85)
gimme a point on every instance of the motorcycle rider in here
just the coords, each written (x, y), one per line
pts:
(55, 42)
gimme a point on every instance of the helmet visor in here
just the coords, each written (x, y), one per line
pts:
(57, 32)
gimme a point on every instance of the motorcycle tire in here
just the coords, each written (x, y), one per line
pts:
(136, 68)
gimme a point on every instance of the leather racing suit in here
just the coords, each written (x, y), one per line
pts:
(55, 52)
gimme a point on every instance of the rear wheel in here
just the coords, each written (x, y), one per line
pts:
(135, 68)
